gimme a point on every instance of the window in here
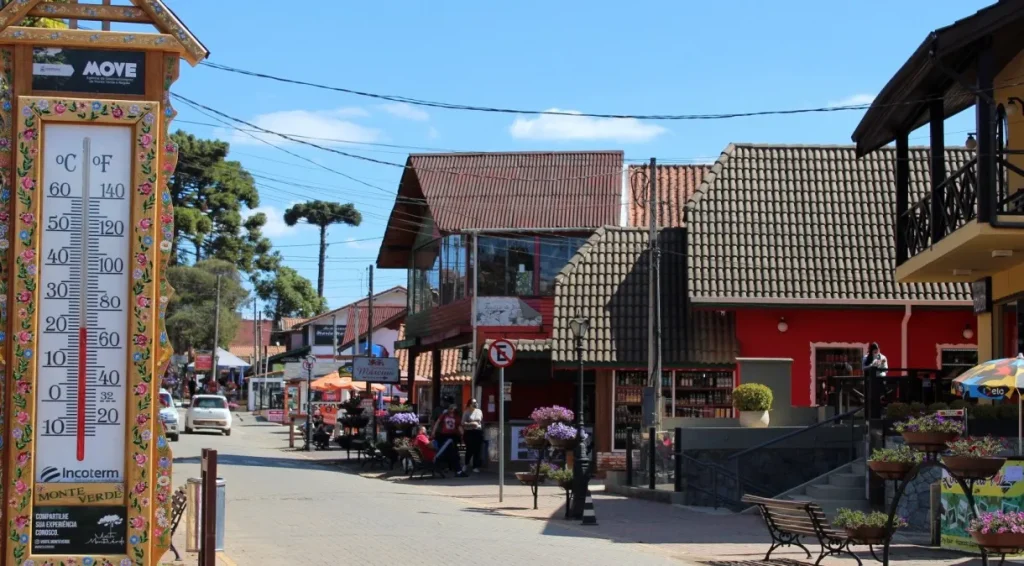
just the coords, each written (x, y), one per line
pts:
(165, 400)
(1009, 323)
(831, 360)
(210, 403)
(955, 361)
(438, 273)
(507, 266)
(555, 253)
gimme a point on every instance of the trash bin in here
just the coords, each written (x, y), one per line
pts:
(193, 514)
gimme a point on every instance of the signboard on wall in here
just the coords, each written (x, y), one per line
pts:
(96, 71)
(204, 361)
(73, 530)
(323, 334)
(981, 295)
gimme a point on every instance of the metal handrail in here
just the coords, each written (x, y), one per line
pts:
(795, 433)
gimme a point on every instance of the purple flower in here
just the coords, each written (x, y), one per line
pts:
(404, 419)
(560, 431)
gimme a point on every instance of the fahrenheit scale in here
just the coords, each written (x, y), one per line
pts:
(83, 297)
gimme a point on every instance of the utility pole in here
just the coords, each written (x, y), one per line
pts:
(369, 351)
(654, 302)
(334, 339)
(216, 331)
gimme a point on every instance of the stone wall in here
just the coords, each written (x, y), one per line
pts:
(915, 505)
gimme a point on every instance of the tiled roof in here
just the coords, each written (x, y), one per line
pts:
(520, 190)
(607, 282)
(453, 369)
(798, 223)
(676, 184)
(361, 302)
(245, 352)
(288, 322)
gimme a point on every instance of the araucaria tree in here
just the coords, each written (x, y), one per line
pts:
(208, 193)
(322, 214)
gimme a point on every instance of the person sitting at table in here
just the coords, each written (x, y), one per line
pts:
(321, 438)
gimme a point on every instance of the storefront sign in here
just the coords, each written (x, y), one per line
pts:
(1003, 492)
(77, 531)
(324, 334)
(275, 415)
(981, 294)
(62, 69)
(204, 361)
(376, 370)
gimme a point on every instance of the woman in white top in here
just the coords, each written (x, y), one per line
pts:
(473, 435)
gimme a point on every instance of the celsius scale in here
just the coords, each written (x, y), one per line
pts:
(83, 311)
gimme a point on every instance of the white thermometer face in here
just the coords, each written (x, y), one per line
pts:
(83, 303)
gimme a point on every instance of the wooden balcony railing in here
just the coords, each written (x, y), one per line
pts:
(919, 227)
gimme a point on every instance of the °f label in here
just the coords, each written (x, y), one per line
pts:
(83, 295)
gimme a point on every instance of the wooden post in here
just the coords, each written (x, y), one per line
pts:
(936, 116)
(208, 520)
(435, 378)
(902, 195)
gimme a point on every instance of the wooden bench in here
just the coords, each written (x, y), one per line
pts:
(787, 521)
(422, 466)
(178, 502)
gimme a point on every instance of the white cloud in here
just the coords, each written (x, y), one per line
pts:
(432, 133)
(855, 100)
(324, 124)
(405, 111)
(560, 127)
(275, 226)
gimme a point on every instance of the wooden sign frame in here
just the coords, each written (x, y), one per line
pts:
(147, 489)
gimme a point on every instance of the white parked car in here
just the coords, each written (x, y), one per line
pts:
(208, 412)
(169, 414)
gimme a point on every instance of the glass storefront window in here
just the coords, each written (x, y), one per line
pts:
(439, 273)
(507, 266)
(555, 253)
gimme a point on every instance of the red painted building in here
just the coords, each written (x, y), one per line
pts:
(795, 242)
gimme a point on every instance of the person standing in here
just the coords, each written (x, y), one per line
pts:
(473, 435)
(876, 360)
(447, 428)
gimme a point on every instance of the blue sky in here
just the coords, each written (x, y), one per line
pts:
(643, 57)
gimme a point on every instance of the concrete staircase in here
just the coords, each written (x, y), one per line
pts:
(841, 487)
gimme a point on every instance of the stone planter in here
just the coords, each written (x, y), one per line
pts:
(929, 441)
(754, 419)
(970, 468)
(1003, 543)
(866, 535)
(890, 470)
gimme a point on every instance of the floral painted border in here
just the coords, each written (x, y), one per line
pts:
(145, 118)
(6, 172)
(164, 458)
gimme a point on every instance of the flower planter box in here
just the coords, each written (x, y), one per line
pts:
(970, 468)
(867, 535)
(929, 441)
(565, 484)
(528, 478)
(890, 470)
(536, 442)
(1002, 543)
(563, 443)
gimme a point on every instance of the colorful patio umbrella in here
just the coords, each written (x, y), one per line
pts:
(996, 379)
(332, 382)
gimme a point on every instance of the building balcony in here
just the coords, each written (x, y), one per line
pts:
(961, 231)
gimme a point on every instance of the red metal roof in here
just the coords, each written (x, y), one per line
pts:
(676, 184)
(525, 190)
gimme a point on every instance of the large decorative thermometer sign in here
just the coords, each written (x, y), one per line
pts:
(86, 214)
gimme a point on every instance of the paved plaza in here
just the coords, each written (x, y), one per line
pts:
(289, 507)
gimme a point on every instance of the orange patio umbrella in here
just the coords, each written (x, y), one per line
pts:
(332, 382)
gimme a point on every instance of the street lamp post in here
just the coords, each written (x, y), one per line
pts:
(581, 463)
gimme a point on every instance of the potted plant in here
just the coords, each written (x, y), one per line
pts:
(561, 435)
(974, 458)
(866, 528)
(562, 477)
(894, 463)
(399, 408)
(403, 421)
(753, 401)
(929, 433)
(534, 436)
(546, 416)
(537, 474)
(998, 531)
(353, 405)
